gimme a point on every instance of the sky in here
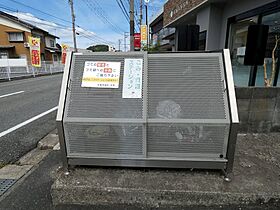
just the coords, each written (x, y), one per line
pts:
(97, 21)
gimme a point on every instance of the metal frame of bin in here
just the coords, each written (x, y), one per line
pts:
(224, 163)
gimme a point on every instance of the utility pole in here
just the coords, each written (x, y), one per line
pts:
(131, 17)
(73, 24)
(148, 28)
(141, 11)
(120, 41)
(124, 39)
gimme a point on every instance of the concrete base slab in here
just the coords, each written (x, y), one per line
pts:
(33, 157)
(256, 181)
(14, 171)
(49, 141)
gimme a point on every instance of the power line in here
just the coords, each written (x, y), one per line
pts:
(141, 12)
(98, 10)
(42, 12)
(2, 6)
(126, 12)
(123, 9)
(135, 14)
(20, 3)
(106, 17)
(100, 39)
(137, 6)
(93, 37)
(58, 24)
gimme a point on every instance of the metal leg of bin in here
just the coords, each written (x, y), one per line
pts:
(227, 176)
(231, 151)
(62, 146)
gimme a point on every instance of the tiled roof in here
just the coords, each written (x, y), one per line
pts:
(23, 23)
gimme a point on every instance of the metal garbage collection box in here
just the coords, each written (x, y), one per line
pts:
(148, 110)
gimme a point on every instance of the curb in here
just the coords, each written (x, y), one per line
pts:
(22, 168)
(49, 141)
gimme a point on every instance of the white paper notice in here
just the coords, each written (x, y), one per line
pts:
(101, 74)
(132, 79)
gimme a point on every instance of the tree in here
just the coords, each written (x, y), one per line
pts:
(98, 48)
(268, 82)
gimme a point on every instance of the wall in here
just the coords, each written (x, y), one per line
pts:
(13, 62)
(174, 9)
(19, 47)
(215, 22)
(48, 56)
(202, 18)
(259, 109)
(210, 19)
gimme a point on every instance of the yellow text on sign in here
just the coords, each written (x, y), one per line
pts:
(143, 32)
(94, 79)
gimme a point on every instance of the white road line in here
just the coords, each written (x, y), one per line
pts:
(11, 94)
(26, 122)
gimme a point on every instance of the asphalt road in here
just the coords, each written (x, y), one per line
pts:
(20, 101)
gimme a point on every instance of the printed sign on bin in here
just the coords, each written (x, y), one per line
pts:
(132, 81)
(100, 74)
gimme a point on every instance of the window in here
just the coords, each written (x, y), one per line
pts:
(51, 43)
(273, 21)
(237, 46)
(55, 58)
(202, 40)
(16, 37)
(4, 54)
(268, 14)
(43, 57)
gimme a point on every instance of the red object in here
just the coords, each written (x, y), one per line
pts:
(35, 57)
(63, 58)
(107, 70)
(101, 64)
(137, 41)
